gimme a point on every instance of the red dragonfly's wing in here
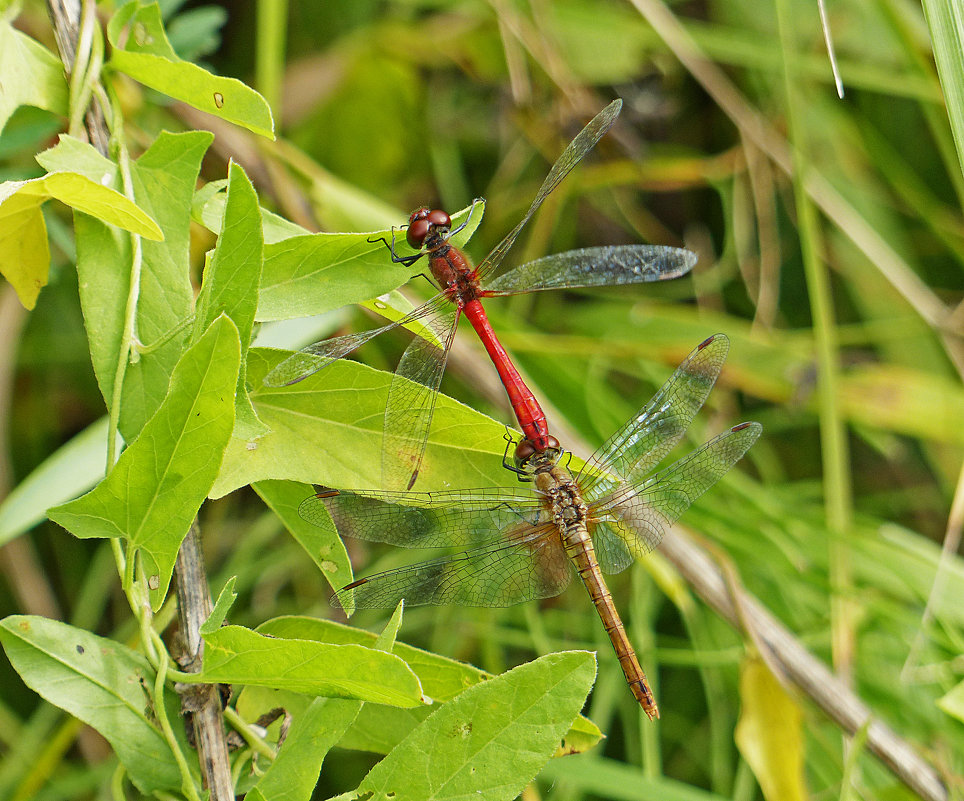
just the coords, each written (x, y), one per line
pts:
(654, 430)
(311, 359)
(584, 142)
(411, 402)
(613, 265)
(637, 515)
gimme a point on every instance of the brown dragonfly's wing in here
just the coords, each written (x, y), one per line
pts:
(529, 562)
(311, 359)
(609, 543)
(411, 402)
(630, 454)
(638, 515)
(584, 142)
(457, 518)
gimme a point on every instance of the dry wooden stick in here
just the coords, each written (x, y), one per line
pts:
(193, 607)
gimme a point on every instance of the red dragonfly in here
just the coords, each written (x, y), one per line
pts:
(414, 388)
(524, 545)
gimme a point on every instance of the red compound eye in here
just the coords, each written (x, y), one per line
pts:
(439, 218)
(416, 233)
(421, 222)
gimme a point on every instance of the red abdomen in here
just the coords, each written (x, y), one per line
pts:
(527, 410)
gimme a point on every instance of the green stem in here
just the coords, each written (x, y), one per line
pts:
(270, 53)
(833, 435)
(187, 780)
(251, 737)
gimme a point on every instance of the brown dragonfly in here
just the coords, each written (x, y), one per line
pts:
(523, 545)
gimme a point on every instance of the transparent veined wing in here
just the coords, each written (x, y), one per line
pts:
(612, 265)
(633, 451)
(411, 402)
(314, 357)
(585, 141)
(640, 514)
(529, 563)
(455, 518)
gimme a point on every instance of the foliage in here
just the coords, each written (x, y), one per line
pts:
(831, 250)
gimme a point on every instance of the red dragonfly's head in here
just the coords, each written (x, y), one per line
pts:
(423, 222)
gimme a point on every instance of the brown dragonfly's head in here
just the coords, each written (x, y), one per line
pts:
(530, 459)
(425, 224)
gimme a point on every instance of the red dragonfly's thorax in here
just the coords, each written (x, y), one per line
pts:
(454, 274)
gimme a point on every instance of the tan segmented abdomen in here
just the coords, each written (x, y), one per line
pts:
(581, 552)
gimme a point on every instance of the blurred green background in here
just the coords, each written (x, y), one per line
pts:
(831, 247)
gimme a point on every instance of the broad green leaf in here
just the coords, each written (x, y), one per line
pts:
(163, 180)
(30, 75)
(24, 254)
(340, 411)
(235, 655)
(101, 682)
(314, 273)
(143, 52)
(73, 155)
(231, 285)
(294, 772)
(158, 484)
(769, 733)
(323, 545)
(492, 740)
(72, 469)
(380, 728)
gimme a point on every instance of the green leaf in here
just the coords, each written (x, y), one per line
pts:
(24, 254)
(236, 655)
(74, 468)
(30, 75)
(294, 772)
(226, 599)
(340, 410)
(953, 702)
(380, 728)
(491, 741)
(323, 545)
(208, 210)
(158, 484)
(769, 733)
(315, 273)
(945, 19)
(231, 284)
(594, 776)
(163, 179)
(100, 682)
(144, 53)
(386, 640)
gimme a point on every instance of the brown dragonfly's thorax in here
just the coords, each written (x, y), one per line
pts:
(564, 503)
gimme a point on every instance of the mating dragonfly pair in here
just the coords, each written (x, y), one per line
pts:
(523, 544)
